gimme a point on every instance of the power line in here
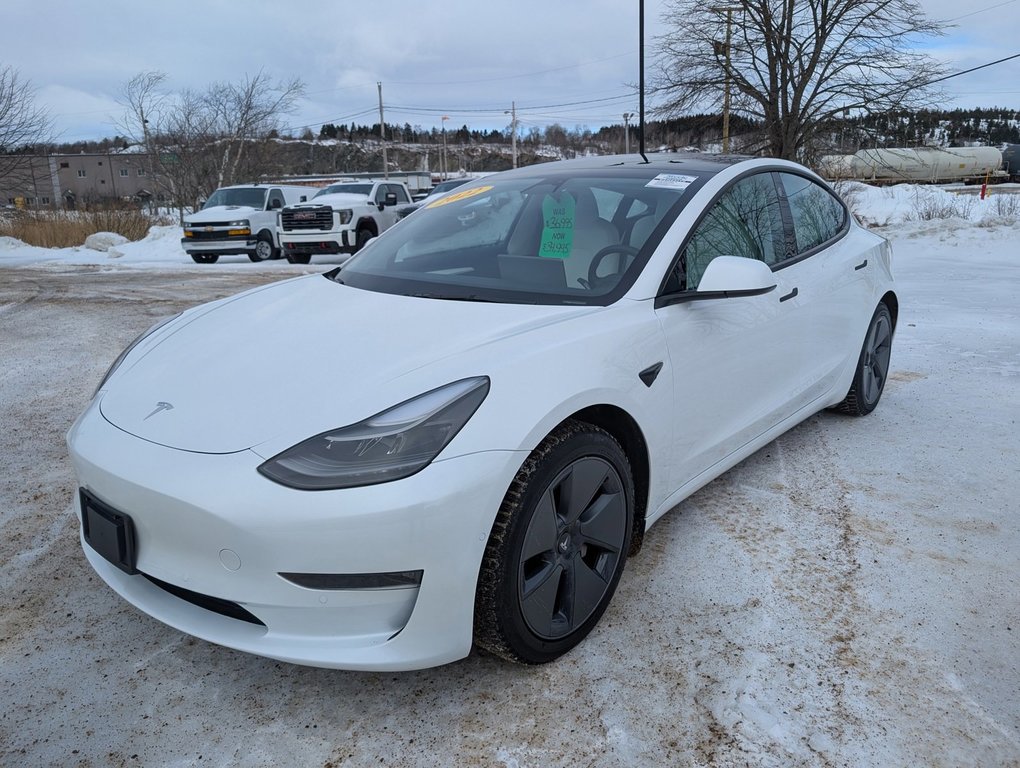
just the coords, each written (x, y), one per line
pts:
(972, 69)
(981, 10)
(516, 77)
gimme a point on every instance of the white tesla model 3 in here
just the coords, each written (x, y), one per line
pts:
(461, 434)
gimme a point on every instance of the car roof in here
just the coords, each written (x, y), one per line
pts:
(701, 163)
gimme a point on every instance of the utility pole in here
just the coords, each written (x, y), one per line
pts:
(626, 132)
(728, 10)
(445, 118)
(382, 135)
(513, 129)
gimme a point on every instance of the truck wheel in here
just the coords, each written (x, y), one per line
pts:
(299, 258)
(264, 248)
(205, 258)
(364, 235)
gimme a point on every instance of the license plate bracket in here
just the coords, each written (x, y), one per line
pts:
(109, 532)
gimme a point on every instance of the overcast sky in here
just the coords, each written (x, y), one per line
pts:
(462, 58)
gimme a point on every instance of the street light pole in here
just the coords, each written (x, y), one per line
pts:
(626, 132)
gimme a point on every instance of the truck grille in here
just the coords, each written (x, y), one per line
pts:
(307, 218)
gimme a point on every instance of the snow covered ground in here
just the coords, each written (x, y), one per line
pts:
(845, 597)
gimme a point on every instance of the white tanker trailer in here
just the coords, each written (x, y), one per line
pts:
(920, 165)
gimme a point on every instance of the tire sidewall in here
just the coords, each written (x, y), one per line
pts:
(523, 641)
(866, 406)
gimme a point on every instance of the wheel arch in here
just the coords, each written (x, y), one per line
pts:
(367, 222)
(890, 300)
(622, 426)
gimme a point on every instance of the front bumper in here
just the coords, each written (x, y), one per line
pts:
(313, 243)
(212, 525)
(223, 247)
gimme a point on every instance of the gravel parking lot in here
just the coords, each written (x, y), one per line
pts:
(846, 596)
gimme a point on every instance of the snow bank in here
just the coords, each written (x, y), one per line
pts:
(885, 206)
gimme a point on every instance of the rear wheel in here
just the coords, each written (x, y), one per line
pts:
(265, 249)
(872, 366)
(205, 258)
(557, 548)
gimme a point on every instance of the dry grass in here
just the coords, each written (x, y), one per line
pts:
(63, 229)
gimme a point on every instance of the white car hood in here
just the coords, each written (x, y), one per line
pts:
(219, 213)
(304, 355)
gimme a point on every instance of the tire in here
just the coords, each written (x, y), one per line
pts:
(872, 366)
(205, 258)
(265, 249)
(363, 236)
(299, 258)
(551, 564)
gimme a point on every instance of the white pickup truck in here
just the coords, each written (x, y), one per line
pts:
(341, 218)
(240, 219)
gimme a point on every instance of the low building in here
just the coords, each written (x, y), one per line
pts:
(71, 180)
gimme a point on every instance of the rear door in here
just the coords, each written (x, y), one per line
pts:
(827, 267)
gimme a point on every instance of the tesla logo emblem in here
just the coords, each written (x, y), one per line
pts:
(159, 407)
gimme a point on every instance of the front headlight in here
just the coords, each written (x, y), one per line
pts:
(127, 350)
(388, 446)
(345, 216)
(239, 223)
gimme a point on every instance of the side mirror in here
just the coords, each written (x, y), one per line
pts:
(735, 275)
(390, 199)
(727, 277)
(303, 199)
(275, 203)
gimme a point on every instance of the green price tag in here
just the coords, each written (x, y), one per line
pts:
(558, 231)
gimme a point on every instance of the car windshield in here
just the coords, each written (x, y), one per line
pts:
(347, 189)
(253, 198)
(555, 239)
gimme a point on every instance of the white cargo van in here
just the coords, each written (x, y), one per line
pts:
(240, 219)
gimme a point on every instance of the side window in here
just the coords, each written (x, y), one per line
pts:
(400, 193)
(276, 199)
(380, 193)
(817, 215)
(746, 221)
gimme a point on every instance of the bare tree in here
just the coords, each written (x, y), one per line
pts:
(198, 141)
(798, 66)
(23, 123)
(247, 112)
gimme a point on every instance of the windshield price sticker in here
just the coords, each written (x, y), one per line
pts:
(456, 197)
(558, 229)
(672, 181)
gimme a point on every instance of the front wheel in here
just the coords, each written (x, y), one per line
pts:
(265, 249)
(363, 236)
(557, 548)
(872, 366)
(299, 258)
(205, 258)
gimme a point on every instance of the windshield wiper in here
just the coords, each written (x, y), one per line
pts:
(470, 297)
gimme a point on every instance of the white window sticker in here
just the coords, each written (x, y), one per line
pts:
(672, 181)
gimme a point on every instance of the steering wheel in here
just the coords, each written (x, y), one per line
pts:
(596, 262)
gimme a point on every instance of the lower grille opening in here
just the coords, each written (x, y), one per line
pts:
(214, 604)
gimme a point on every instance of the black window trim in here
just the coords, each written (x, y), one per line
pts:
(665, 299)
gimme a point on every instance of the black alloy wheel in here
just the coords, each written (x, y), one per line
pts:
(558, 547)
(872, 366)
(205, 258)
